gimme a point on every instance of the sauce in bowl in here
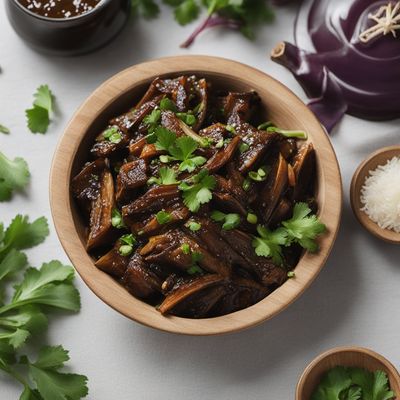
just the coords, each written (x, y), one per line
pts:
(59, 8)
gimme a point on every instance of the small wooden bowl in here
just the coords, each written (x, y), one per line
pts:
(380, 157)
(346, 357)
(118, 95)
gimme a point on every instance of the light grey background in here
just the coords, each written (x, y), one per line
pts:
(355, 300)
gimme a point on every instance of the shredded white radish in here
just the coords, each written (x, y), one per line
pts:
(380, 195)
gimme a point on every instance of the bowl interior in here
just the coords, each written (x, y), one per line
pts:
(118, 95)
(346, 357)
(380, 157)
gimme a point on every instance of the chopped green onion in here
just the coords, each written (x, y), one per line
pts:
(185, 248)
(116, 219)
(289, 134)
(265, 125)
(125, 250)
(220, 144)
(193, 226)
(291, 274)
(163, 217)
(246, 184)
(252, 218)
(231, 129)
(115, 138)
(109, 132)
(232, 221)
(260, 175)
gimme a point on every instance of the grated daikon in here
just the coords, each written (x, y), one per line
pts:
(380, 195)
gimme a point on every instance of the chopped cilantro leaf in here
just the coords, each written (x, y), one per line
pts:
(194, 270)
(165, 138)
(185, 248)
(230, 221)
(152, 120)
(128, 239)
(148, 8)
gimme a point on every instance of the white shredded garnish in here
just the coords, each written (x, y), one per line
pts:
(380, 195)
(387, 20)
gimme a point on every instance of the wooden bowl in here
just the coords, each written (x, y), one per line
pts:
(116, 96)
(346, 357)
(380, 157)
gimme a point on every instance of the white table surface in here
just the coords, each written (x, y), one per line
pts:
(355, 300)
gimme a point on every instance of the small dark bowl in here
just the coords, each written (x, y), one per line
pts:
(69, 36)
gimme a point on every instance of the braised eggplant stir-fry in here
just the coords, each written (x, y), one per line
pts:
(194, 204)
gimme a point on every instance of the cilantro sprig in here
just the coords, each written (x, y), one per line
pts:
(341, 383)
(198, 190)
(38, 116)
(25, 313)
(14, 176)
(303, 229)
(179, 149)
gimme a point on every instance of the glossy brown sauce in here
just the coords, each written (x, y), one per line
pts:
(59, 8)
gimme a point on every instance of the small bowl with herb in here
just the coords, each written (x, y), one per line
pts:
(196, 195)
(67, 27)
(375, 194)
(349, 373)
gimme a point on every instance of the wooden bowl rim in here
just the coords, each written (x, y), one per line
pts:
(103, 284)
(362, 171)
(392, 370)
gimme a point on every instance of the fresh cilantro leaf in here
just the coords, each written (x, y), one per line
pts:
(186, 12)
(152, 120)
(167, 176)
(44, 98)
(14, 175)
(21, 234)
(148, 8)
(333, 383)
(163, 217)
(51, 286)
(303, 228)
(184, 148)
(269, 243)
(53, 384)
(218, 216)
(354, 393)
(39, 115)
(165, 138)
(374, 385)
(198, 193)
(12, 263)
(38, 119)
(4, 129)
(16, 338)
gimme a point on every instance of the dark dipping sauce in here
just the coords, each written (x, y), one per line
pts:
(59, 8)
